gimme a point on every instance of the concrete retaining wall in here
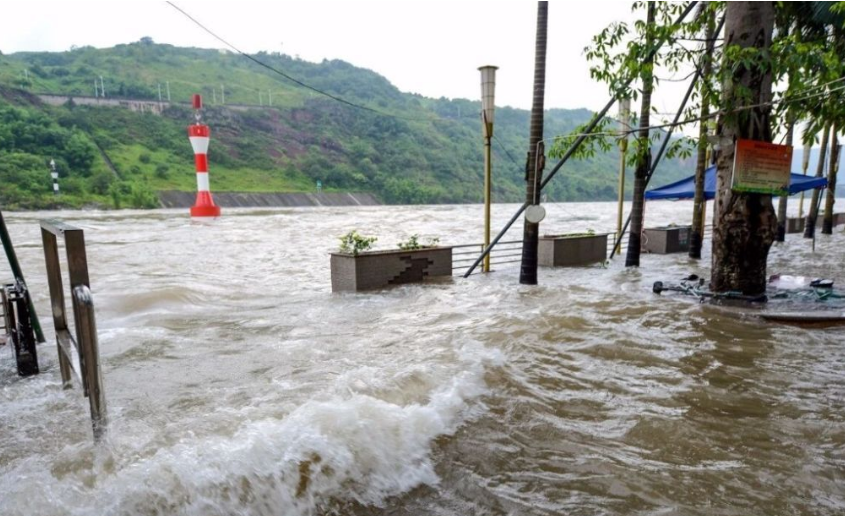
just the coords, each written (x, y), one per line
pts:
(173, 199)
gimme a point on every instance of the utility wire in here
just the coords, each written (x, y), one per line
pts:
(286, 76)
(712, 115)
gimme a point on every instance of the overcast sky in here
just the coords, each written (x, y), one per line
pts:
(433, 48)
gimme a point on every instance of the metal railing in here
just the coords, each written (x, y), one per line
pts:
(509, 252)
(506, 252)
(80, 354)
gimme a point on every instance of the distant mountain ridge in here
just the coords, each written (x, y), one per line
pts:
(402, 147)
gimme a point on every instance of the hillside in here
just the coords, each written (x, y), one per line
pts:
(404, 148)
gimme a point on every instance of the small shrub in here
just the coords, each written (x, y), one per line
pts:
(353, 243)
(413, 242)
(144, 158)
(162, 171)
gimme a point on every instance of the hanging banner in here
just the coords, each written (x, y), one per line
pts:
(761, 167)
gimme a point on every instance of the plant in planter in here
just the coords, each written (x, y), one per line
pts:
(353, 243)
(572, 249)
(413, 243)
(356, 267)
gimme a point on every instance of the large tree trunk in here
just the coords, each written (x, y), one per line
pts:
(827, 225)
(783, 199)
(745, 223)
(643, 150)
(813, 212)
(697, 233)
(535, 163)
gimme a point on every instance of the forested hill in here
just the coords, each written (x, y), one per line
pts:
(405, 148)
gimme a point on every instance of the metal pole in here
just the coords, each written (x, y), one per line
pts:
(624, 111)
(804, 165)
(167, 85)
(102, 87)
(487, 199)
(12, 257)
(222, 95)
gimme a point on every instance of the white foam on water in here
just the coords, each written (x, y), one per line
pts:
(351, 447)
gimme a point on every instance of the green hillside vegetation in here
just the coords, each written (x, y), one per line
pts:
(413, 150)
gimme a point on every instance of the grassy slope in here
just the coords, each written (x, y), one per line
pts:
(428, 152)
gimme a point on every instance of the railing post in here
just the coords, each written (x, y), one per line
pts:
(85, 348)
(57, 299)
(86, 334)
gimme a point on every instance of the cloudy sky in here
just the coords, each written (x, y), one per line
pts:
(432, 47)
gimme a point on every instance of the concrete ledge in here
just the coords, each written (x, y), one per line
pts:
(174, 199)
(379, 269)
(571, 250)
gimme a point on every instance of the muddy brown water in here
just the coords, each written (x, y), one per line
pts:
(237, 383)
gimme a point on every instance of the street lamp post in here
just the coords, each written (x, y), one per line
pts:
(488, 88)
(624, 128)
(55, 175)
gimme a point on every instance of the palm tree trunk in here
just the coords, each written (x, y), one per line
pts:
(744, 223)
(783, 199)
(536, 160)
(697, 232)
(643, 149)
(833, 169)
(813, 212)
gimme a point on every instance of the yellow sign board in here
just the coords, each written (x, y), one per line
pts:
(761, 167)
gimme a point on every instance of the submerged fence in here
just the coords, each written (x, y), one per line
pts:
(509, 253)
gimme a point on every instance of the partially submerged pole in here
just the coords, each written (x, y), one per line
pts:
(624, 128)
(15, 266)
(805, 159)
(782, 201)
(813, 215)
(488, 89)
(535, 163)
(833, 168)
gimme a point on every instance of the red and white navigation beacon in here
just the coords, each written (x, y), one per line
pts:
(204, 207)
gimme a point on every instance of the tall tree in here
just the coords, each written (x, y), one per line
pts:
(697, 232)
(813, 212)
(833, 168)
(745, 223)
(536, 160)
(643, 148)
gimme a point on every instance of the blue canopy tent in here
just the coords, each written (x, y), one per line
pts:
(685, 188)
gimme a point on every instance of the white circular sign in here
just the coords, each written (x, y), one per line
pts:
(535, 213)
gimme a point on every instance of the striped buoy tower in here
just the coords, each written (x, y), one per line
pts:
(198, 133)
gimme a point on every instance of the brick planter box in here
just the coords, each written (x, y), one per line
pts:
(379, 269)
(795, 225)
(572, 250)
(667, 240)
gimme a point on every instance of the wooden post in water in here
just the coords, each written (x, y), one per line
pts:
(833, 168)
(536, 161)
(813, 215)
(643, 148)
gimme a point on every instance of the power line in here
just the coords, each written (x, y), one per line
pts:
(286, 76)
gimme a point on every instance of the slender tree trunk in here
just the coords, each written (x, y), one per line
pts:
(833, 169)
(536, 159)
(783, 199)
(745, 223)
(697, 233)
(813, 212)
(643, 149)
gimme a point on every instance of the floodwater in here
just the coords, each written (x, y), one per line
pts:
(237, 383)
